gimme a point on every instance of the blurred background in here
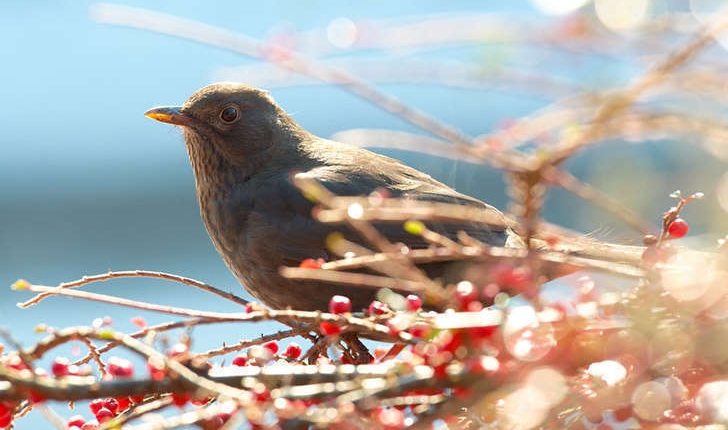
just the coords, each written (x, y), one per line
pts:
(88, 184)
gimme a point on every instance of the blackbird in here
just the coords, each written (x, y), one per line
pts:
(243, 148)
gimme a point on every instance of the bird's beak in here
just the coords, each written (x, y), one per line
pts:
(170, 114)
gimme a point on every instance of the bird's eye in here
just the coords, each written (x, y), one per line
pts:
(229, 114)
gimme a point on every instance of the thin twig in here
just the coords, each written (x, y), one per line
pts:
(103, 298)
(251, 342)
(361, 280)
(135, 274)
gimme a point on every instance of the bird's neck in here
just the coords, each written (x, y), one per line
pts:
(223, 185)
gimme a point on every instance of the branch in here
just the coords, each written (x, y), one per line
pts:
(134, 274)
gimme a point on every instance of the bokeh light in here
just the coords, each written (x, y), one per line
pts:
(610, 371)
(622, 15)
(341, 33)
(675, 387)
(550, 382)
(686, 277)
(525, 336)
(355, 211)
(712, 401)
(672, 350)
(650, 400)
(525, 408)
(558, 7)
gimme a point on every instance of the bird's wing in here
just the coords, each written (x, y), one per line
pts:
(408, 183)
(346, 170)
(294, 235)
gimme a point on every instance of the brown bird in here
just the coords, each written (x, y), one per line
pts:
(243, 148)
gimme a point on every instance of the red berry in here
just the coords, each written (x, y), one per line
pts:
(181, 399)
(515, 278)
(90, 425)
(6, 415)
(104, 415)
(177, 350)
(480, 333)
(253, 307)
(451, 340)
(394, 327)
(463, 392)
(200, 401)
(271, 346)
(139, 322)
(474, 306)
(390, 419)
(377, 308)
(261, 393)
(329, 329)
(414, 303)
(14, 362)
(310, 263)
(465, 293)
(60, 367)
(339, 305)
(240, 360)
(96, 405)
(36, 397)
(420, 330)
(76, 420)
(120, 367)
(124, 403)
(678, 228)
(623, 413)
(111, 404)
(293, 351)
(157, 369)
(6, 420)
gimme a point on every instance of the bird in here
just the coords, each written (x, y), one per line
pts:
(243, 148)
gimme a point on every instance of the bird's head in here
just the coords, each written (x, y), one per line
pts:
(230, 122)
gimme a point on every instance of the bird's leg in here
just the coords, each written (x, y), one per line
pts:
(319, 346)
(359, 353)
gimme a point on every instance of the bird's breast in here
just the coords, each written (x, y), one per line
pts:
(224, 212)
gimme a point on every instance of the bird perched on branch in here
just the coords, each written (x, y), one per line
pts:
(243, 148)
